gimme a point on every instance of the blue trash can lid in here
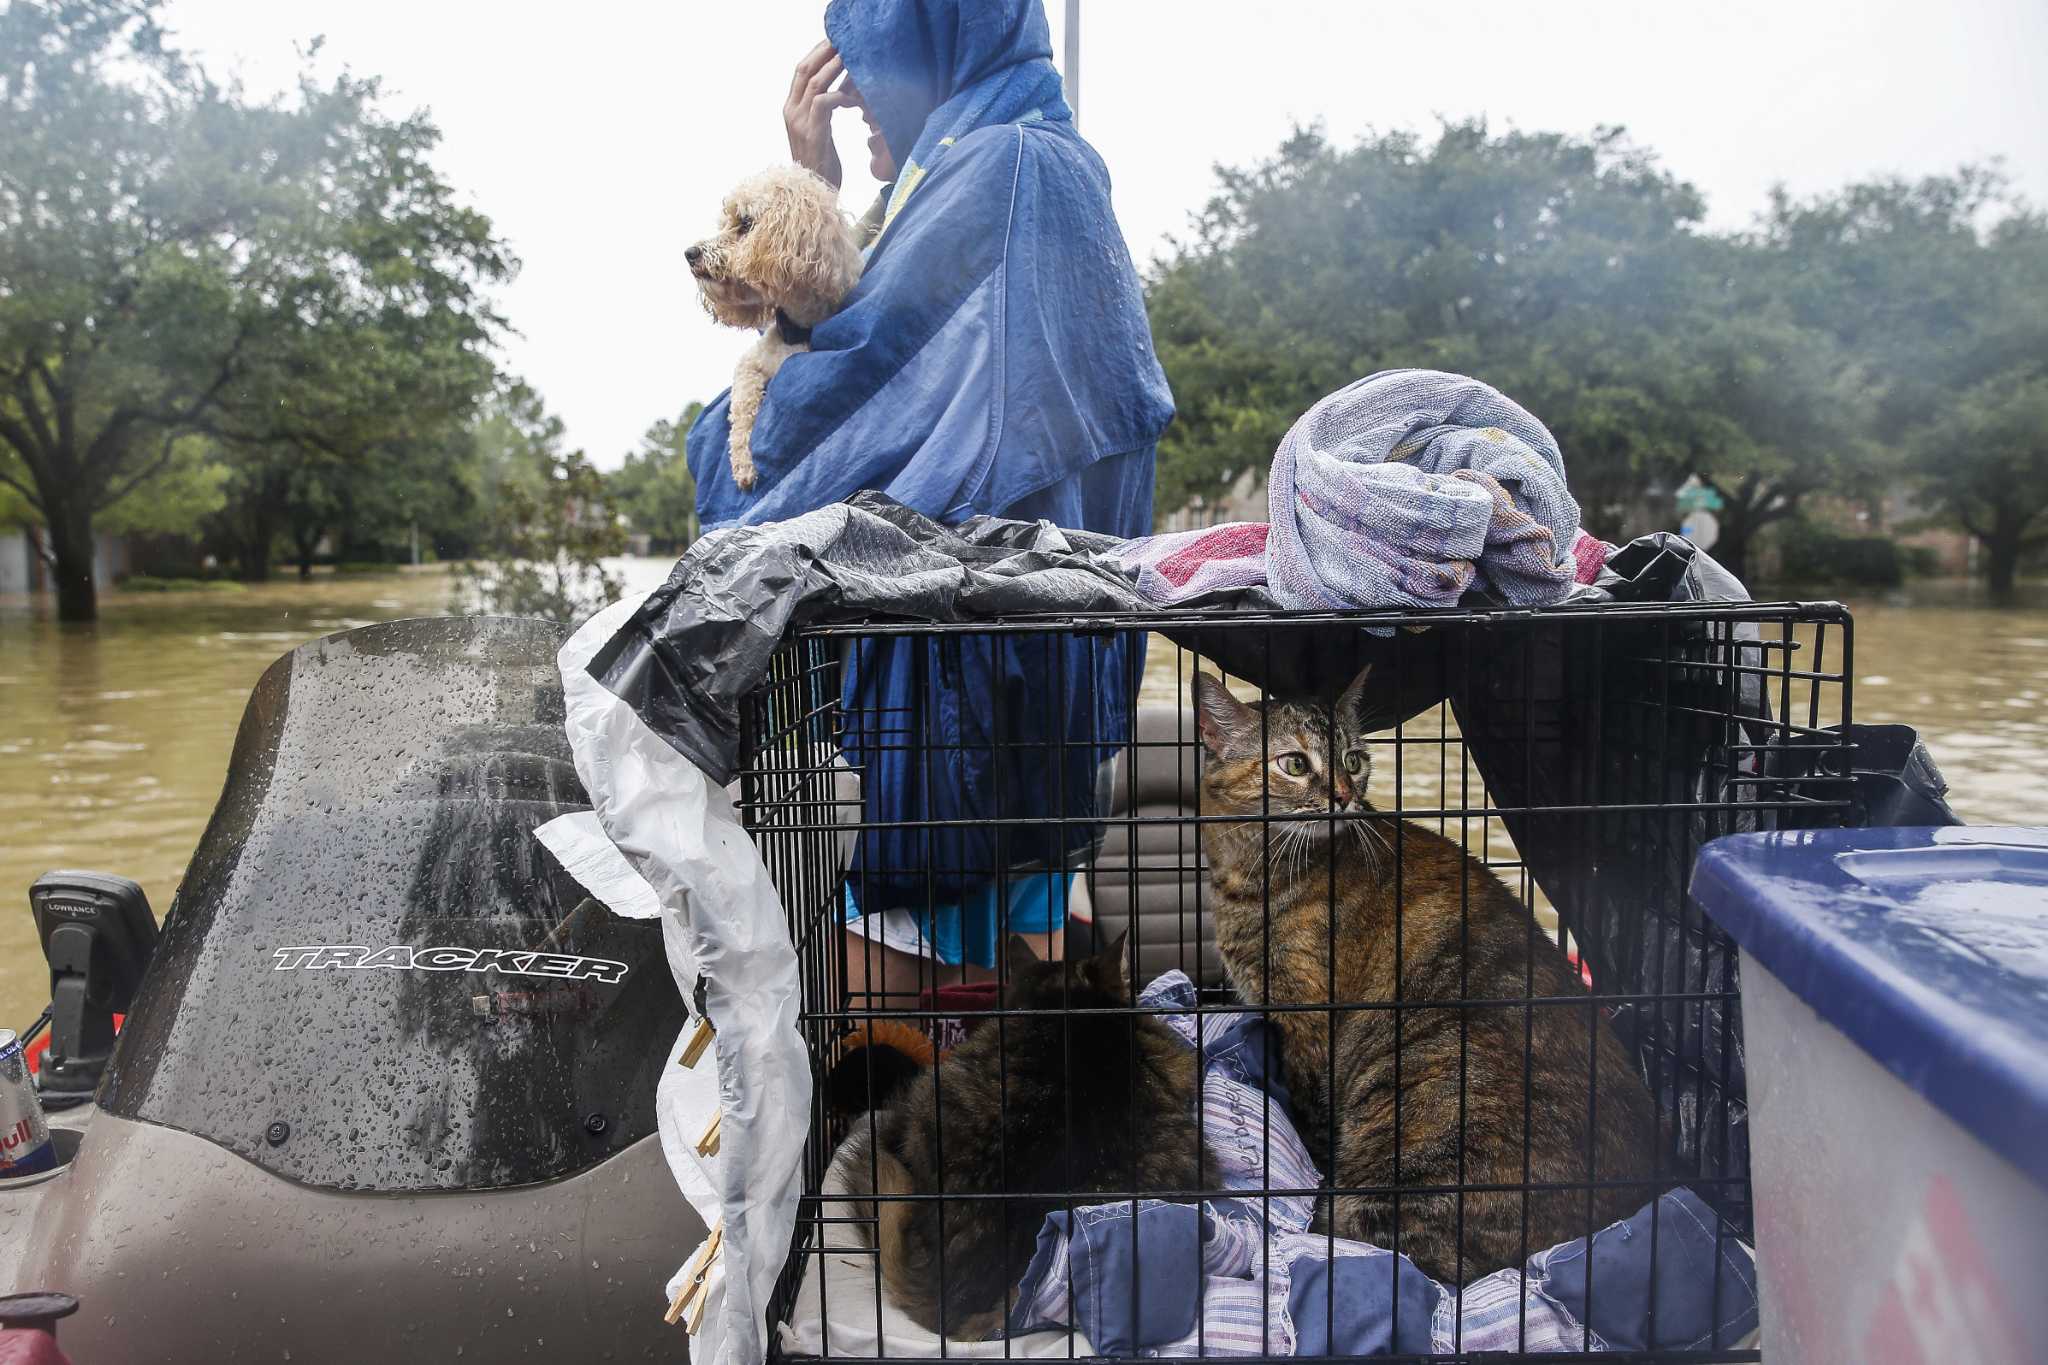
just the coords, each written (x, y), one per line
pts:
(1927, 947)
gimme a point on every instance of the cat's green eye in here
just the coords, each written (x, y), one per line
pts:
(1354, 763)
(1294, 765)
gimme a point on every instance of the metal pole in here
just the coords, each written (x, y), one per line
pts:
(1074, 59)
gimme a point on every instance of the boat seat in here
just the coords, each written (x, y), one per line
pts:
(1148, 876)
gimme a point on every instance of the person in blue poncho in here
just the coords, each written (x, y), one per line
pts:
(994, 358)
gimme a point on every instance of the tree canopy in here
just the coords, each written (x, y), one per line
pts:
(549, 520)
(1822, 352)
(655, 489)
(1542, 263)
(1935, 293)
(289, 279)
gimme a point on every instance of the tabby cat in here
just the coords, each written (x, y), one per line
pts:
(1463, 936)
(1077, 1101)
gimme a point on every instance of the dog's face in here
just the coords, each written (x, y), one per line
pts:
(781, 243)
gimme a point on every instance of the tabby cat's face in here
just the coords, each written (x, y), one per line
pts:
(1281, 756)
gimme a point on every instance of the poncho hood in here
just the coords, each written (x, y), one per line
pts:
(913, 58)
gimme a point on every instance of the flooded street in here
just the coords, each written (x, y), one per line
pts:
(114, 738)
(1975, 682)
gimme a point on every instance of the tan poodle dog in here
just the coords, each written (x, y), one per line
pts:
(783, 259)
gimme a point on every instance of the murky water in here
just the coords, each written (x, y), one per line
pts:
(114, 738)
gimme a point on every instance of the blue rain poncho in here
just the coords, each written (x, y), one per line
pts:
(994, 358)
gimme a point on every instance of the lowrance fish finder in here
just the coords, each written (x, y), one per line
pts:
(97, 933)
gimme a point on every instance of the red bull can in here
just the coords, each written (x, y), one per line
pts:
(24, 1136)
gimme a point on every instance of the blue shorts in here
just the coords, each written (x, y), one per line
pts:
(967, 932)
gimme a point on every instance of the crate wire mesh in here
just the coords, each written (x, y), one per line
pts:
(1580, 755)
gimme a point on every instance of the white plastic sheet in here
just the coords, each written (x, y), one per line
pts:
(727, 941)
(579, 844)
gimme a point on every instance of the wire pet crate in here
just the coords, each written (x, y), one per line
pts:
(1581, 755)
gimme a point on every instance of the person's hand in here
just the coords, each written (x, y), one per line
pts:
(808, 112)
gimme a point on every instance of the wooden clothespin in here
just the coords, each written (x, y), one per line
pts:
(708, 1144)
(694, 1276)
(699, 1040)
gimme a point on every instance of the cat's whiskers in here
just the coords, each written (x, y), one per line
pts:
(1301, 848)
(1365, 847)
(1375, 841)
(1287, 848)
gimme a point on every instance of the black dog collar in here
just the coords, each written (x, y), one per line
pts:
(791, 334)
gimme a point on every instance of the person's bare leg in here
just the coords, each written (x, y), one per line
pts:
(1051, 946)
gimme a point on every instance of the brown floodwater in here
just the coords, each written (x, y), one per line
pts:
(114, 737)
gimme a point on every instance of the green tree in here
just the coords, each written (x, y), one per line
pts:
(517, 446)
(1939, 288)
(1780, 414)
(1990, 469)
(547, 549)
(256, 501)
(654, 487)
(285, 498)
(15, 510)
(549, 519)
(174, 259)
(1548, 265)
(177, 501)
(414, 492)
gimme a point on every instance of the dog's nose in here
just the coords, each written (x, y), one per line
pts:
(693, 255)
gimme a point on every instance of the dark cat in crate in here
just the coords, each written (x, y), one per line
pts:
(1287, 895)
(1069, 1104)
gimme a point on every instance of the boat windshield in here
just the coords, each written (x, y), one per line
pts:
(373, 975)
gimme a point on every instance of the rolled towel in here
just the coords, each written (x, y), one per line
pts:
(1407, 487)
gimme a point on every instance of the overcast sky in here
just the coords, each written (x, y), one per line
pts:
(601, 141)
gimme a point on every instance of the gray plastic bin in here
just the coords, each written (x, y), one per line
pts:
(1895, 1015)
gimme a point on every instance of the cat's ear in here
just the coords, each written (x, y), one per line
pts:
(1351, 705)
(1106, 971)
(1020, 955)
(1119, 964)
(1223, 722)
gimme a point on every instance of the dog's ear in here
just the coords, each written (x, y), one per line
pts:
(800, 253)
